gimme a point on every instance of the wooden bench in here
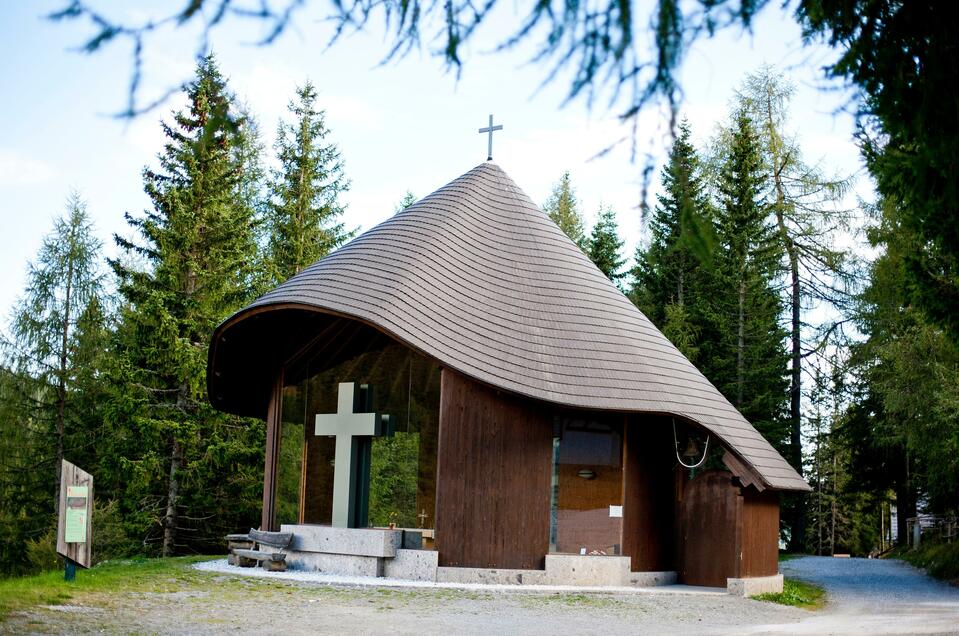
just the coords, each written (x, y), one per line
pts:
(272, 561)
(244, 553)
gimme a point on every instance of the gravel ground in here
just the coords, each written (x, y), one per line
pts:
(873, 596)
(227, 603)
(866, 597)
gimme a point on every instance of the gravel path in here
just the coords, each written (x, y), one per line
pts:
(216, 603)
(873, 596)
(866, 597)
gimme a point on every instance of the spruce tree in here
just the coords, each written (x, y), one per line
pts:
(748, 360)
(198, 246)
(563, 208)
(305, 207)
(671, 282)
(604, 245)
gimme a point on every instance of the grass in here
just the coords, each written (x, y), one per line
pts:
(789, 556)
(797, 594)
(104, 584)
(940, 560)
(49, 588)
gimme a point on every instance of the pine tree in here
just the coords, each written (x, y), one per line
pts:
(199, 245)
(563, 208)
(671, 281)
(604, 245)
(62, 283)
(748, 360)
(305, 204)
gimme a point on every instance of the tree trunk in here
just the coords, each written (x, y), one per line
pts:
(905, 504)
(170, 519)
(832, 524)
(795, 394)
(741, 343)
(819, 523)
(173, 491)
(62, 378)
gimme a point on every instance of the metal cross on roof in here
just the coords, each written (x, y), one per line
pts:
(490, 129)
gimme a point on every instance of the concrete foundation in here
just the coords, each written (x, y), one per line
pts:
(574, 569)
(380, 553)
(651, 579)
(412, 565)
(755, 585)
(490, 576)
(341, 564)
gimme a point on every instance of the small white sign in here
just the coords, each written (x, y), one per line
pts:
(615, 511)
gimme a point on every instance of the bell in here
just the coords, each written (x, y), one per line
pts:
(692, 449)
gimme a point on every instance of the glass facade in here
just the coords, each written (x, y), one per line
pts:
(406, 386)
(586, 507)
(587, 499)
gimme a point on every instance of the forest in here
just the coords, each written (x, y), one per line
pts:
(828, 323)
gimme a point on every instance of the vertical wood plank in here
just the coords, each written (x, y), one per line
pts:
(711, 521)
(649, 495)
(274, 422)
(493, 477)
(760, 541)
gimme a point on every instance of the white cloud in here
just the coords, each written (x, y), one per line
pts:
(17, 169)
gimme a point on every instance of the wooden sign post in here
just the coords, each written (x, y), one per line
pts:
(75, 523)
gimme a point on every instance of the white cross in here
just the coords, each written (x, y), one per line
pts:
(346, 425)
(490, 129)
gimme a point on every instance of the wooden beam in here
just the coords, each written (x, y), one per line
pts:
(274, 422)
(747, 476)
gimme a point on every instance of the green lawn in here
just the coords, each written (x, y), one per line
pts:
(798, 594)
(49, 588)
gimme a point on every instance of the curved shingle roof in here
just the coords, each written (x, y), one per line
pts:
(478, 277)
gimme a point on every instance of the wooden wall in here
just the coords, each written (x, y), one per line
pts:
(711, 515)
(494, 475)
(727, 531)
(649, 495)
(760, 542)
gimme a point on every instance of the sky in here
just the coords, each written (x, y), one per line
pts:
(405, 125)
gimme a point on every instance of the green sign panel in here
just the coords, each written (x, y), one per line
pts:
(75, 522)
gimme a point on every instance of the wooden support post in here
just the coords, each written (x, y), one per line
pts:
(274, 421)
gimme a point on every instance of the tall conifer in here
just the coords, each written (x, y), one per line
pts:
(199, 249)
(62, 283)
(670, 280)
(749, 356)
(563, 208)
(305, 207)
(604, 245)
